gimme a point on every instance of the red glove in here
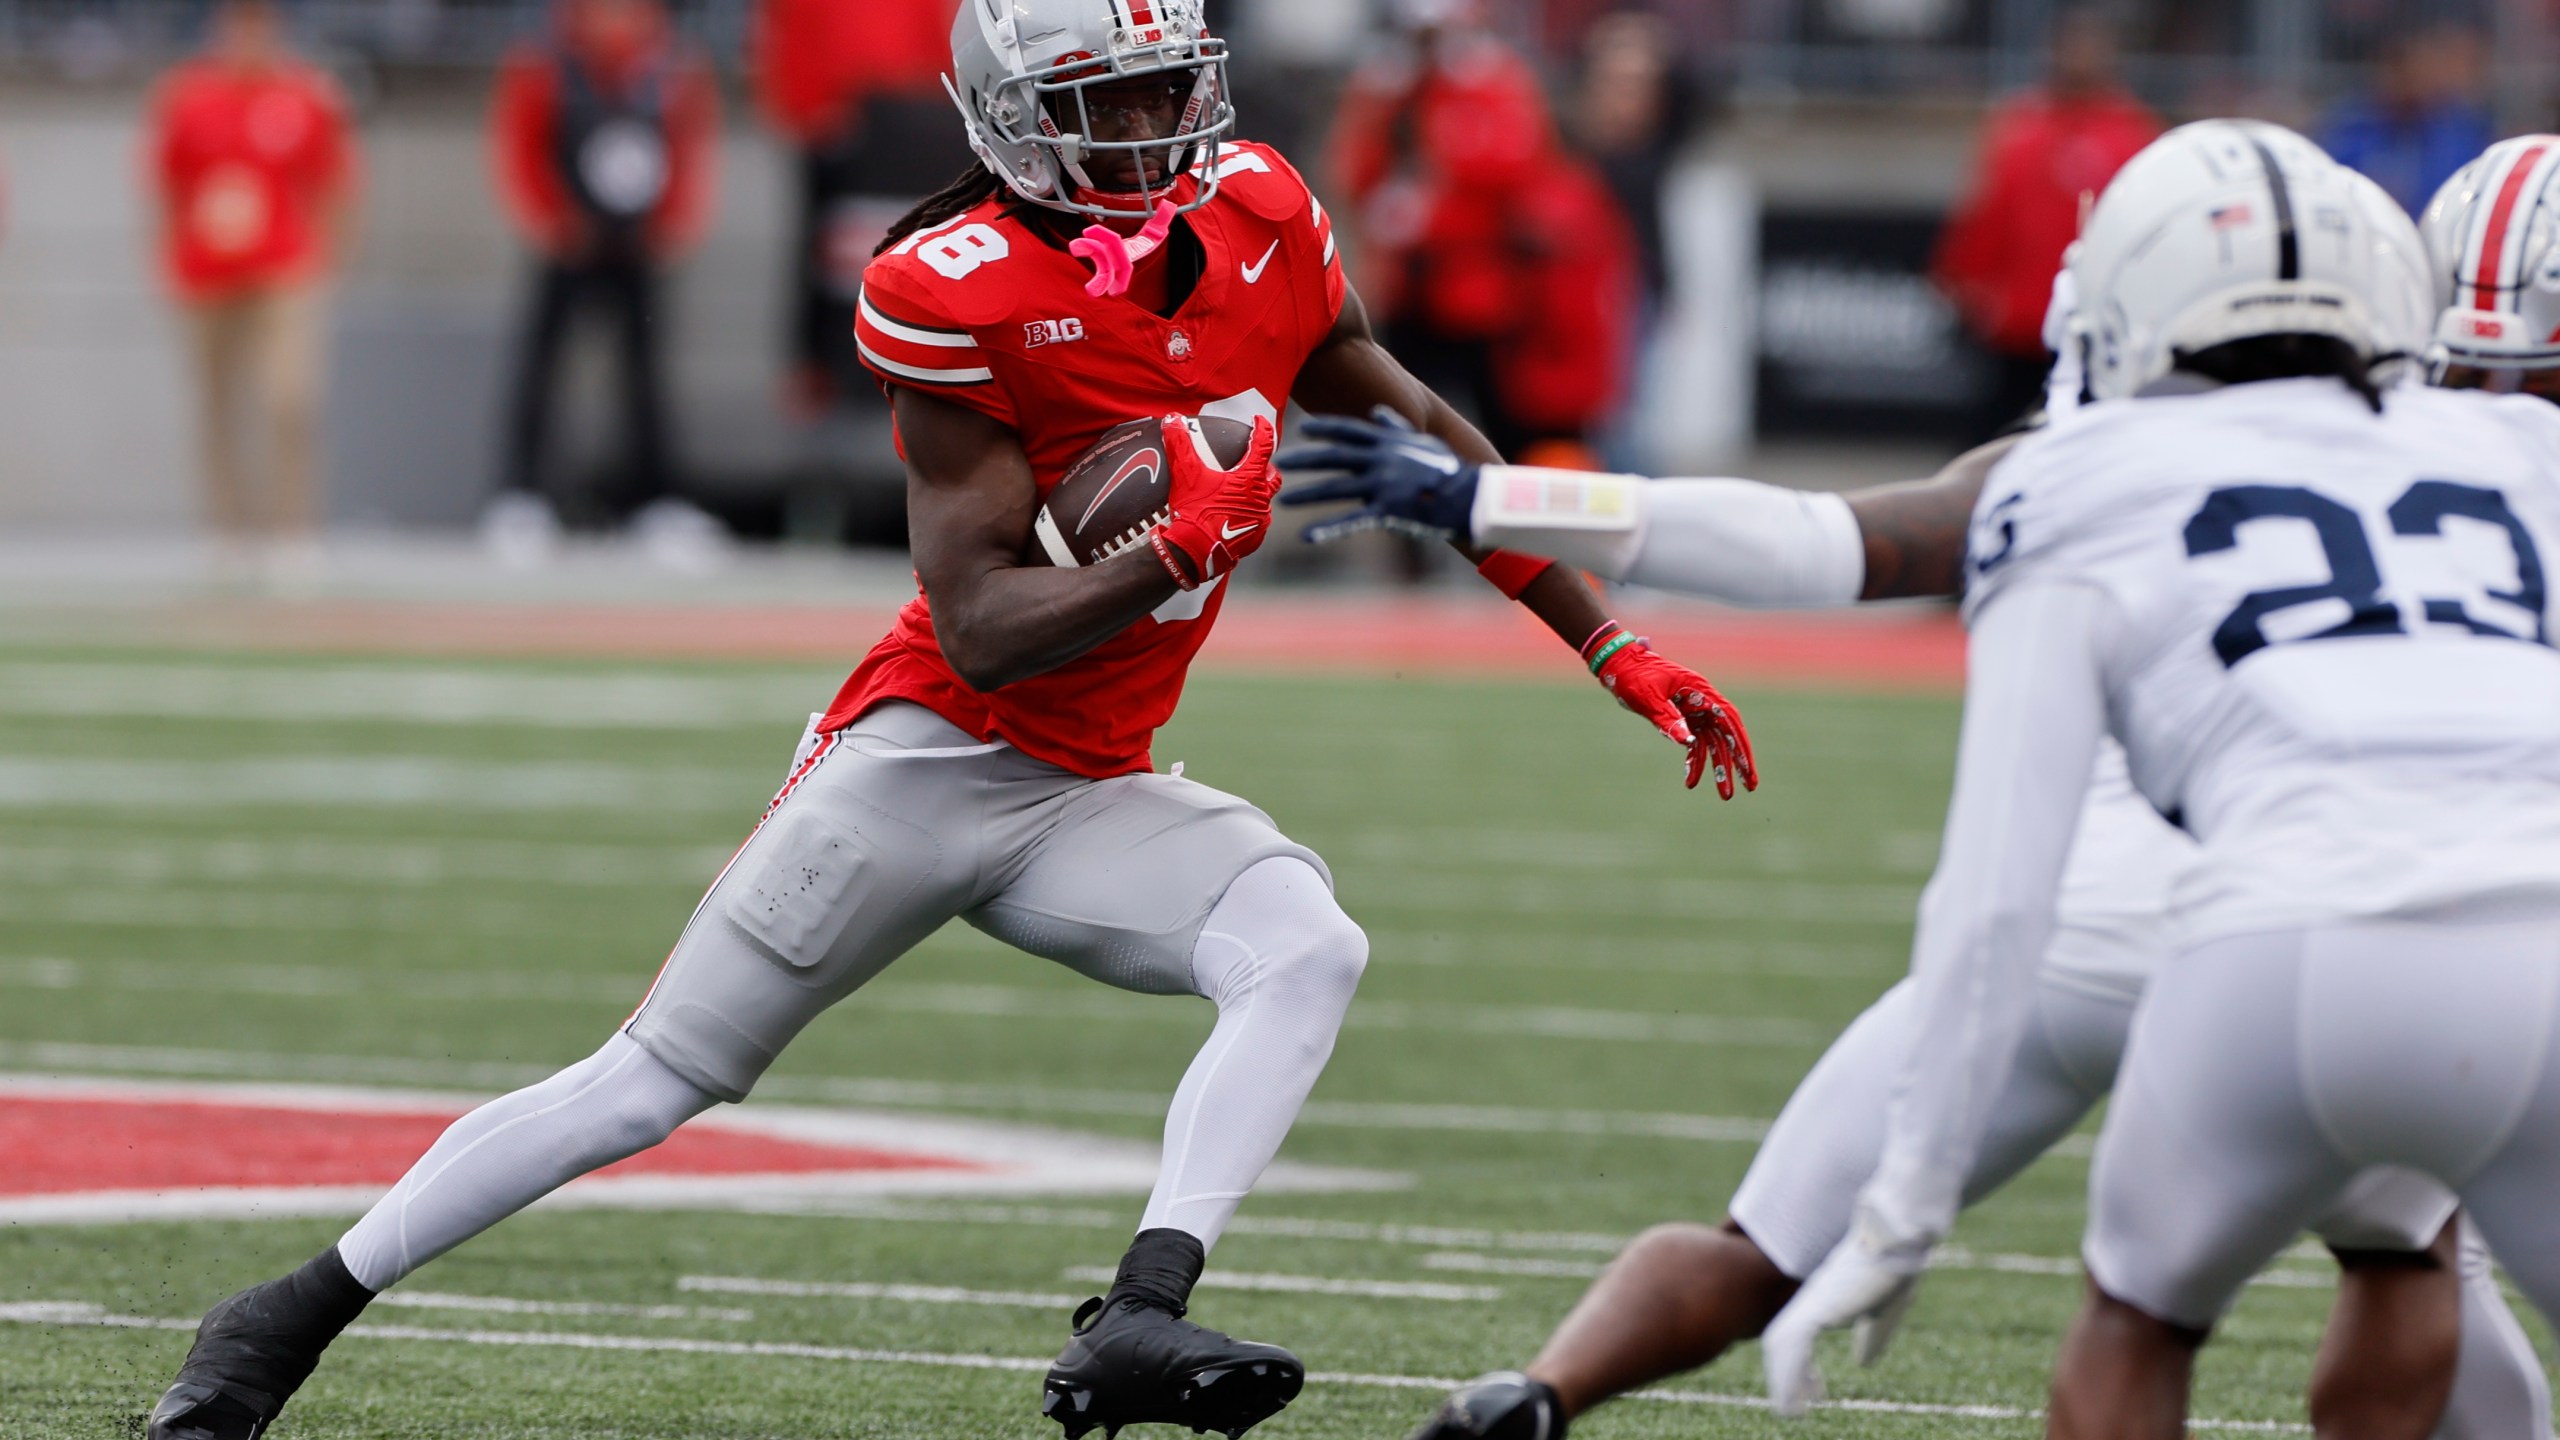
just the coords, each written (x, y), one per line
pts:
(1679, 702)
(1219, 516)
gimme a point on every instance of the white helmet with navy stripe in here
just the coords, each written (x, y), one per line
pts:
(1020, 70)
(2228, 230)
(2493, 245)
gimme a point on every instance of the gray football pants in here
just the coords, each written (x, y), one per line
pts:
(901, 823)
(881, 834)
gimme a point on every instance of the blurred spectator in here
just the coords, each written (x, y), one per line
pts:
(1631, 113)
(2421, 118)
(604, 139)
(254, 168)
(1500, 267)
(838, 80)
(2041, 153)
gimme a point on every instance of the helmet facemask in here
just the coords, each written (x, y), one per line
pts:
(1050, 111)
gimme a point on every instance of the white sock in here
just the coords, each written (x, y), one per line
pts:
(1280, 960)
(516, 1149)
(2499, 1390)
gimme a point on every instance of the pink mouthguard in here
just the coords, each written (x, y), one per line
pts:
(1115, 257)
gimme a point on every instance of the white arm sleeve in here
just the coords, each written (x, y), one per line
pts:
(2035, 709)
(1737, 541)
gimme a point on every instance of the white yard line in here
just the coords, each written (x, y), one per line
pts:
(396, 781)
(506, 1305)
(293, 910)
(409, 694)
(353, 861)
(1318, 1285)
(864, 1290)
(1948, 1257)
(60, 1313)
(74, 1057)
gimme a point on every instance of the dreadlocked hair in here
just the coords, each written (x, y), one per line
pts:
(2286, 357)
(975, 187)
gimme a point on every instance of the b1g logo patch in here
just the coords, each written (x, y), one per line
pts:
(1037, 333)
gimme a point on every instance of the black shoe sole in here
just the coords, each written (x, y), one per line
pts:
(1230, 1399)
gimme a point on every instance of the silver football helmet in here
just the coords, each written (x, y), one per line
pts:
(2493, 243)
(1020, 71)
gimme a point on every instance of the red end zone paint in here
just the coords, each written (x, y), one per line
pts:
(65, 1146)
(1893, 650)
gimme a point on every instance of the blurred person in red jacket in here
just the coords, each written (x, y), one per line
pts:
(1505, 272)
(603, 136)
(253, 165)
(856, 87)
(2042, 151)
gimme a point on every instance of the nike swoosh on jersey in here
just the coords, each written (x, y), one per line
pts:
(1229, 532)
(1253, 272)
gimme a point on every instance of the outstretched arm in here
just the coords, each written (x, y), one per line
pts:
(1738, 541)
(1352, 373)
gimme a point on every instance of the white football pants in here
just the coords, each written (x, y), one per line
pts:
(2267, 1070)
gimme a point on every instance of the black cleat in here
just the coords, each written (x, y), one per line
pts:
(254, 1350)
(1134, 1363)
(1505, 1405)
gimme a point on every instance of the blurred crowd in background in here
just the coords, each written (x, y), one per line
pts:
(1637, 233)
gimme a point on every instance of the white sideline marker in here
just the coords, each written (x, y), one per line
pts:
(77, 1313)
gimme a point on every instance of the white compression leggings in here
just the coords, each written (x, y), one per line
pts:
(1280, 961)
(1277, 956)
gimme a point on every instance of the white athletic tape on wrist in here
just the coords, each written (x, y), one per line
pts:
(1590, 521)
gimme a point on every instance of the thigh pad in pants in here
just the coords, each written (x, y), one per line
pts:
(1120, 882)
(874, 845)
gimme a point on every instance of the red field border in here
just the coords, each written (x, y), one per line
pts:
(1893, 650)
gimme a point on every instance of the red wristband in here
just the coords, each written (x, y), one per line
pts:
(1512, 572)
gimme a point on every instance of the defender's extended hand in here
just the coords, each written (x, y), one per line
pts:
(1404, 479)
(1867, 1282)
(1680, 702)
(1219, 516)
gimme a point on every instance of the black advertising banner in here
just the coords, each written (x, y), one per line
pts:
(1853, 339)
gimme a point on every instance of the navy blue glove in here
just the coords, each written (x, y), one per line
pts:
(1404, 479)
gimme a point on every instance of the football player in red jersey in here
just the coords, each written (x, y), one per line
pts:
(989, 761)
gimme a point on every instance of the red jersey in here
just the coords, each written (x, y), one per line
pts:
(983, 311)
(2000, 250)
(248, 163)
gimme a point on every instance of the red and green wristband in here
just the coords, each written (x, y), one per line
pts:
(1606, 642)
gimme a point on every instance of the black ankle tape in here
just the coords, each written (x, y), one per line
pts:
(1160, 1269)
(327, 1292)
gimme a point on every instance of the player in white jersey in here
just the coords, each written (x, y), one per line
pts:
(1683, 1293)
(2318, 620)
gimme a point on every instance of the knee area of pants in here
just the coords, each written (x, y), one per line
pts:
(1334, 958)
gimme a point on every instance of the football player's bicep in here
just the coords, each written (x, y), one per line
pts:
(970, 490)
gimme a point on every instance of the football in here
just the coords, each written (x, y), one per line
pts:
(1120, 490)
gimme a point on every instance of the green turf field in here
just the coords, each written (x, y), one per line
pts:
(1583, 979)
